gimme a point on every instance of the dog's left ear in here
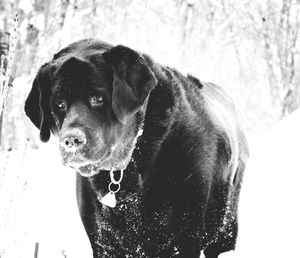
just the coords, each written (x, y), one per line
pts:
(133, 81)
(37, 106)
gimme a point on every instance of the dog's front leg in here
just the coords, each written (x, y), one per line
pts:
(170, 231)
(101, 237)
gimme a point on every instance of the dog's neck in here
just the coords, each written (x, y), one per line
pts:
(101, 182)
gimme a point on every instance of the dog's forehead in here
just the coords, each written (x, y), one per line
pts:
(77, 74)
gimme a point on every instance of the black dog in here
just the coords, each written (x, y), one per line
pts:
(182, 175)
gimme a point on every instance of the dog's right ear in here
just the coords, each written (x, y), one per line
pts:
(37, 106)
(133, 81)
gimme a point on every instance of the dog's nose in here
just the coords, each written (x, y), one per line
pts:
(74, 141)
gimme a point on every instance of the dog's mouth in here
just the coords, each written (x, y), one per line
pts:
(90, 164)
(83, 162)
(88, 169)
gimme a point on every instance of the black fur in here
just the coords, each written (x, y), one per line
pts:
(177, 197)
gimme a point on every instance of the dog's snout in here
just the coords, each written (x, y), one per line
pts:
(73, 140)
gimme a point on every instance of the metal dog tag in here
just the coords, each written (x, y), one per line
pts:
(109, 200)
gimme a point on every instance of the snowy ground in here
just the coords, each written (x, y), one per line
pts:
(44, 210)
(37, 201)
(270, 206)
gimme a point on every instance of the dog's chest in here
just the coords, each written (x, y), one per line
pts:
(121, 227)
(126, 227)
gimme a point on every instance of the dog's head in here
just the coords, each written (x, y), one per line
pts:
(94, 101)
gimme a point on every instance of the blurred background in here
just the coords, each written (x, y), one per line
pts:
(250, 47)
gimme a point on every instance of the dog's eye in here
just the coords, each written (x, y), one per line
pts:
(60, 104)
(96, 101)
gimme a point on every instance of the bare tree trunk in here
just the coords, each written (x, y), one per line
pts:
(63, 12)
(36, 250)
(280, 39)
(186, 10)
(4, 47)
(43, 6)
(291, 98)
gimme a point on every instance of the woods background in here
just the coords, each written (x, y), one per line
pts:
(250, 47)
